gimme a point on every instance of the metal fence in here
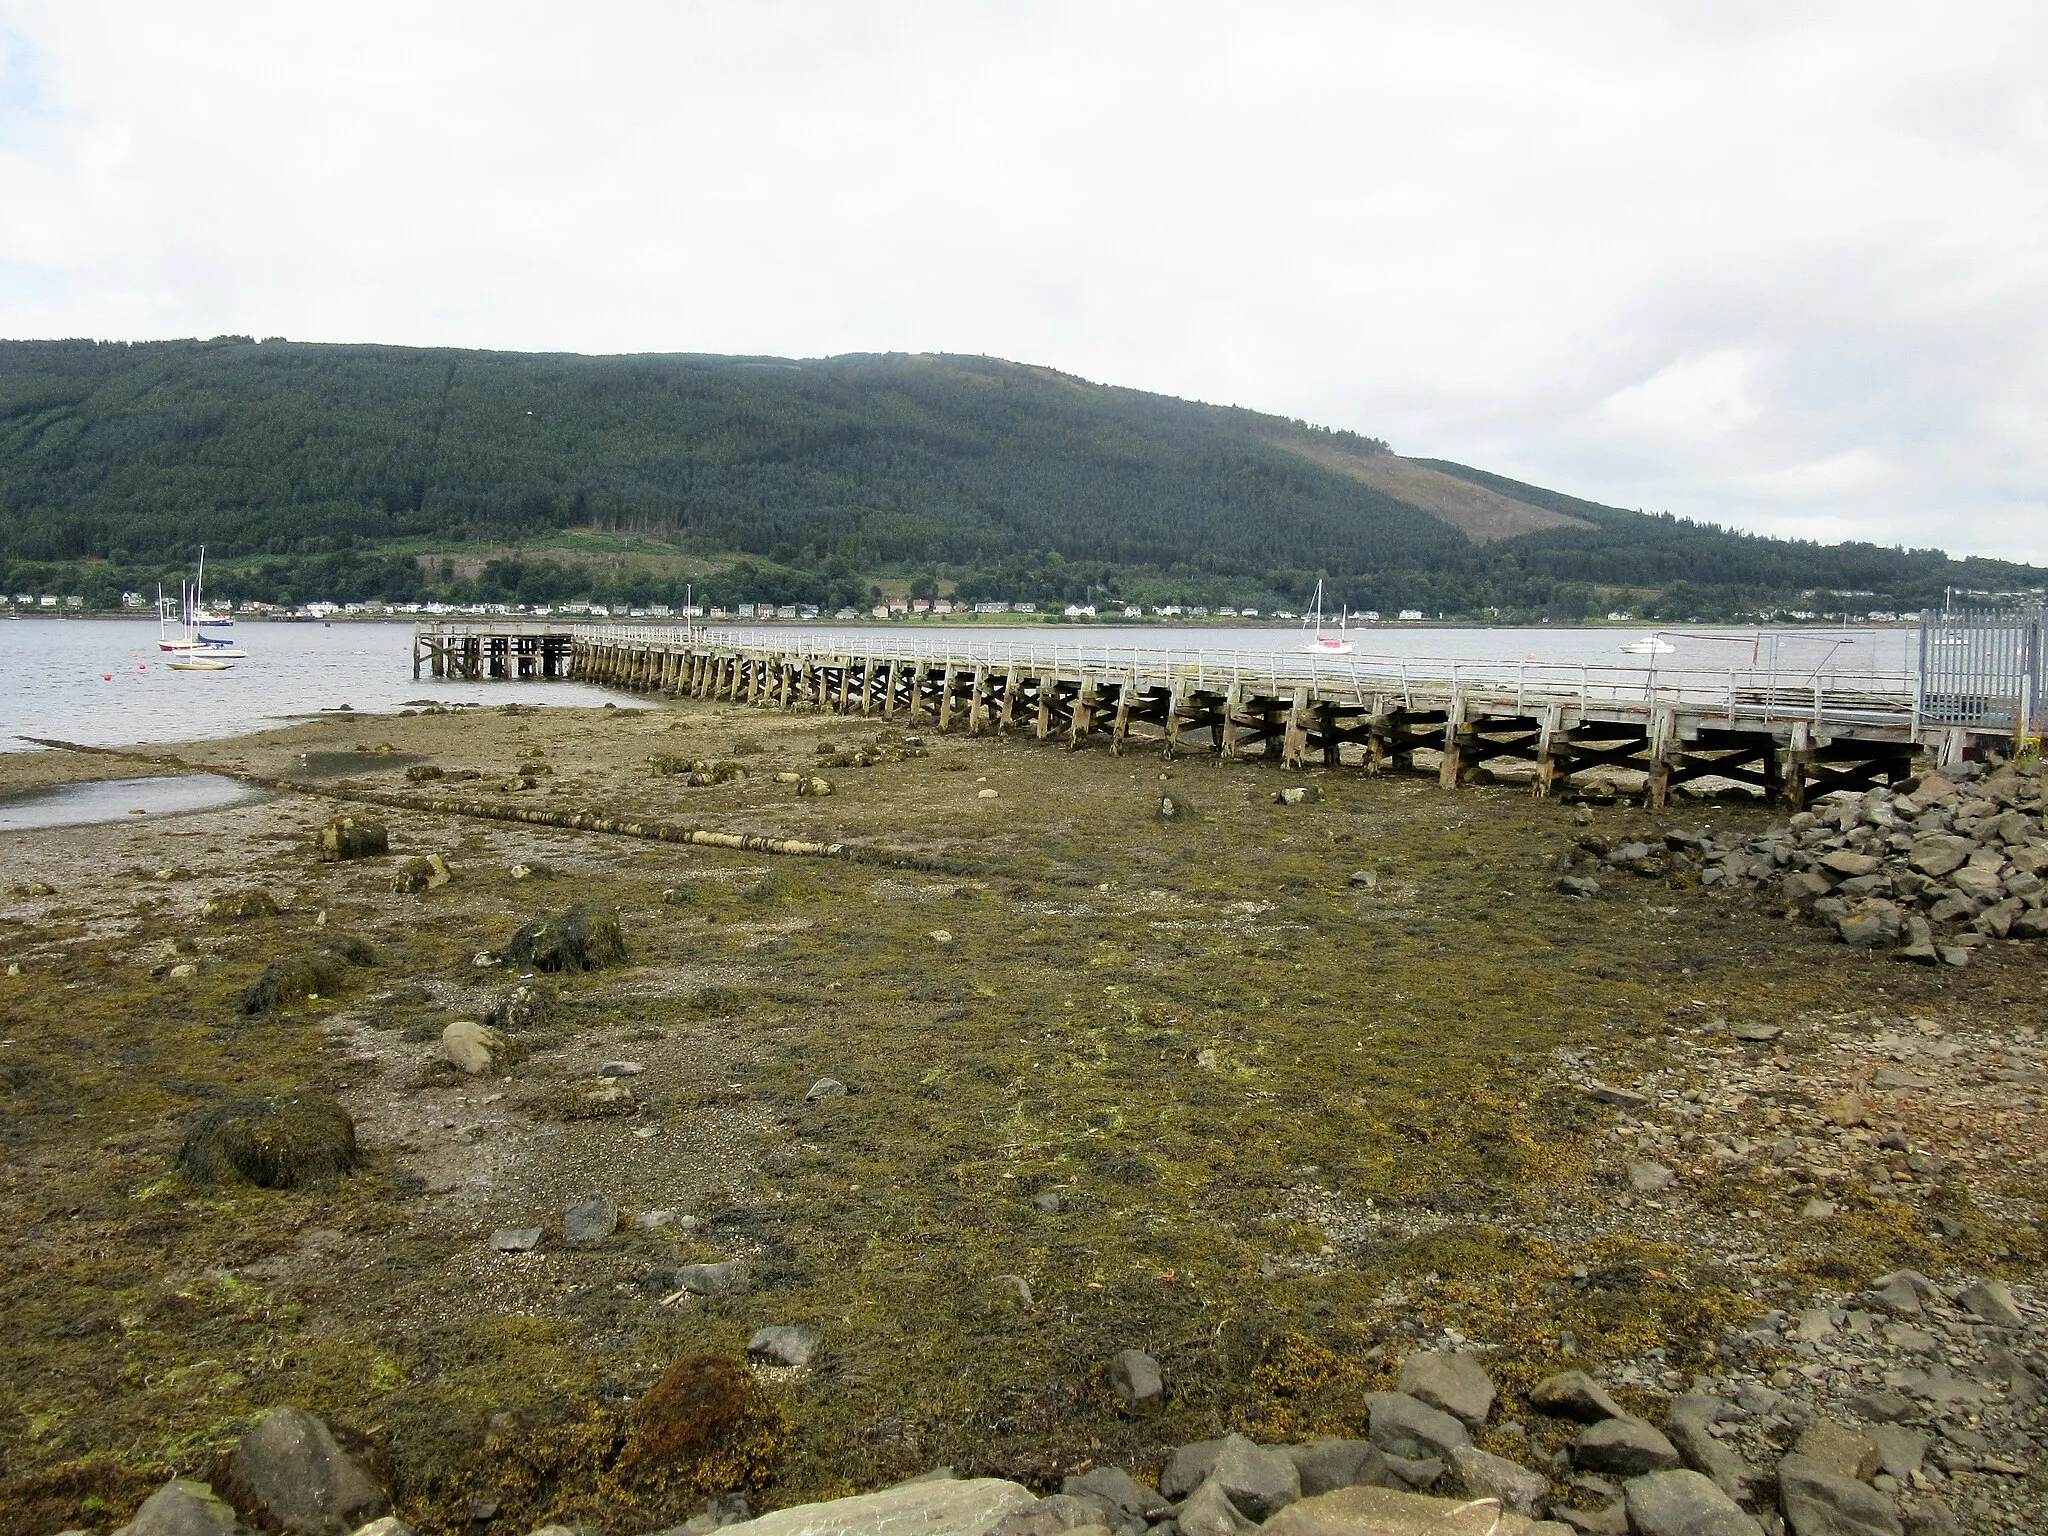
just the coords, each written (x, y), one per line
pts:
(1983, 668)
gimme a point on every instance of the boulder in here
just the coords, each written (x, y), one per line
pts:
(1650, 1178)
(1259, 1481)
(1331, 1463)
(294, 1476)
(1575, 1395)
(1992, 1301)
(584, 938)
(1624, 1448)
(1453, 1383)
(416, 876)
(1406, 1426)
(275, 1143)
(1417, 1474)
(1056, 1515)
(1874, 926)
(1900, 1451)
(239, 906)
(1134, 1377)
(529, 1005)
(1390, 1512)
(1688, 1426)
(184, 1507)
(1817, 1502)
(346, 838)
(1186, 1468)
(1116, 1487)
(1486, 1476)
(967, 1506)
(1208, 1512)
(784, 1344)
(1904, 1291)
(1684, 1504)
(474, 1048)
(1851, 865)
(590, 1221)
(1839, 1449)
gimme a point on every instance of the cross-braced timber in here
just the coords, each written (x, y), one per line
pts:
(1556, 725)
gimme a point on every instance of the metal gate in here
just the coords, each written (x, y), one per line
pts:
(1982, 669)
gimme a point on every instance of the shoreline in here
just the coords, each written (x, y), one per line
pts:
(1316, 1087)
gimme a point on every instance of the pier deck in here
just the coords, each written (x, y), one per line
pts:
(1787, 738)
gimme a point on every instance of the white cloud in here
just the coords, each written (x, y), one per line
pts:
(1778, 266)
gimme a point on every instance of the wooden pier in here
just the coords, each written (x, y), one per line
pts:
(1787, 740)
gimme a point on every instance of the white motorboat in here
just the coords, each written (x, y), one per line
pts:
(1650, 645)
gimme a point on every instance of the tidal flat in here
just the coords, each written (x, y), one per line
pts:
(1277, 1093)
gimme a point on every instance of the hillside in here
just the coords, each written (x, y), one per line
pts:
(350, 471)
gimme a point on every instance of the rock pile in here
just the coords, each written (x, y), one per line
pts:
(1929, 870)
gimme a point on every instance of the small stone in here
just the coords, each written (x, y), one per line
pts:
(1756, 1033)
(1575, 1395)
(711, 1279)
(1992, 1301)
(1905, 1291)
(1047, 1200)
(1620, 1098)
(1486, 1476)
(941, 936)
(648, 1221)
(986, 794)
(1650, 1178)
(1454, 1383)
(386, 1525)
(1578, 885)
(1134, 1376)
(184, 1507)
(1186, 1469)
(590, 1221)
(474, 1048)
(825, 1088)
(515, 1239)
(1623, 1447)
(1681, 1503)
(1899, 1450)
(1839, 1449)
(620, 1069)
(1116, 1487)
(1208, 1512)
(784, 1344)
(1326, 1464)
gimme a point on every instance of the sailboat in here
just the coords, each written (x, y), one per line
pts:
(195, 654)
(1319, 643)
(195, 640)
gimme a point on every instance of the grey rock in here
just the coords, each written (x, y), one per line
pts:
(621, 1069)
(474, 1048)
(1936, 854)
(1880, 1407)
(1259, 1480)
(1452, 1382)
(1487, 1476)
(1575, 1395)
(1818, 1502)
(784, 1344)
(1992, 1301)
(1578, 885)
(711, 1279)
(1047, 1200)
(515, 1239)
(1134, 1377)
(825, 1088)
(1609, 1520)
(386, 1525)
(1208, 1512)
(1839, 1449)
(590, 1221)
(1899, 1450)
(295, 1477)
(1905, 1291)
(974, 1506)
(1329, 1464)
(1623, 1447)
(1930, 1517)
(1683, 1503)
(184, 1507)
(1416, 1474)
(1186, 1468)
(1117, 1487)
(1058, 1513)
(1687, 1425)
(1407, 1426)
(1650, 1178)
(1620, 1098)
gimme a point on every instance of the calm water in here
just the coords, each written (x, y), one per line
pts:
(102, 681)
(75, 805)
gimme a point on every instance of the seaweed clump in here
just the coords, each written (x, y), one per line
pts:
(581, 939)
(273, 1143)
(312, 973)
(705, 1426)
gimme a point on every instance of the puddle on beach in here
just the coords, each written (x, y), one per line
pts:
(344, 765)
(78, 805)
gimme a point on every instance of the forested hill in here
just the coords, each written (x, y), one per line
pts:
(317, 470)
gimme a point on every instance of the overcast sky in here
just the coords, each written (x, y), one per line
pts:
(1776, 265)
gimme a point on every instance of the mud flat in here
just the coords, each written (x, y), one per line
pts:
(1280, 1096)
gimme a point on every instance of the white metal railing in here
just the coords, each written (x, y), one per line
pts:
(1831, 694)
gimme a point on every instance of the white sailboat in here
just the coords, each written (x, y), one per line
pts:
(196, 655)
(1319, 643)
(193, 616)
